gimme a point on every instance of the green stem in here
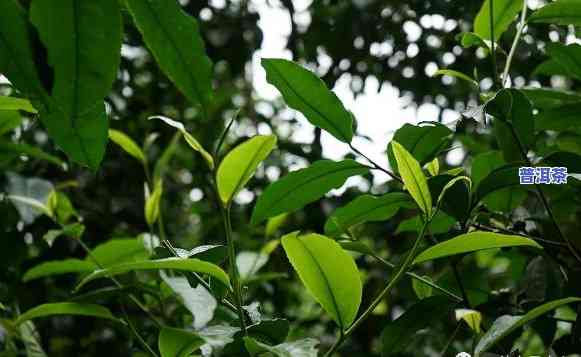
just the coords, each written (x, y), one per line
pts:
(396, 278)
(519, 31)
(375, 165)
(137, 335)
(492, 43)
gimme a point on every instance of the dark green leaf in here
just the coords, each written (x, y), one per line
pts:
(305, 92)
(440, 223)
(505, 12)
(472, 242)
(424, 142)
(366, 208)
(271, 332)
(173, 342)
(561, 12)
(116, 251)
(66, 308)
(328, 272)
(567, 57)
(456, 199)
(9, 120)
(25, 149)
(559, 118)
(174, 39)
(569, 160)
(304, 186)
(496, 183)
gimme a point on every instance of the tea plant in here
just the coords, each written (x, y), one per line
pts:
(491, 261)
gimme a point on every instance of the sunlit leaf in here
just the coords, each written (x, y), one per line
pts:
(505, 12)
(13, 103)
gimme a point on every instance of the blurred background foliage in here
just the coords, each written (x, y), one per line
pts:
(399, 43)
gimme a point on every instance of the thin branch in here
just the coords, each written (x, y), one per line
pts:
(375, 165)
(521, 26)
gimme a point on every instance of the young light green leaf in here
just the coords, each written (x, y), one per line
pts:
(152, 204)
(304, 186)
(505, 325)
(366, 208)
(304, 91)
(472, 242)
(192, 142)
(66, 308)
(505, 11)
(413, 177)
(434, 167)
(58, 267)
(13, 103)
(301, 348)
(31, 340)
(173, 342)
(472, 318)
(456, 74)
(127, 144)
(175, 41)
(561, 12)
(191, 265)
(328, 272)
(274, 223)
(83, 39)
(239, 165)
(422, 289)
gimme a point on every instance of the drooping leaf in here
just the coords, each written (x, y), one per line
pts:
(413, 178)
(30, 151)
(424, 141)
(173, 342)
(16, 58)
(175, 41)
(561, 12)
(190, 139)
(304, 186)
(456, 74)
(328, 272)
(274, 223)
(510, 107)
(455, 200)
(153, 204)
(422, 289)
(249, 263)
(191, 265)
(472, 242)
(13, 104)
(127, 144)
(505, 325)
(366, 208)
(505, 12)
(305, 92)
(58, 267)
(471, 39)
(398, 334)
(83, 39)
(66, 308)
(472, 318)
(74, 230)
(239, 165)
(301, 348)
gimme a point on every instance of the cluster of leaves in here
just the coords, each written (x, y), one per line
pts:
(475, 216)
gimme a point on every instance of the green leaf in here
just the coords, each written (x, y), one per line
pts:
(116, 251)
(66, 308)
(569, 160)
(455, 200)
(74, 231)
(561, 12)
(60, 207)
(31, 151)
(422, 289)
(191, 265)
(175, 41)
(456, 74)
(472, 242)
(449, 186)
(547, 98)
(472, 318)
(471, 39)
(304, 186)
(505, 325)
(440, 223)
(13, 103)
(163, 162)
(58, 267)
(127, 144)
(83, 39)
(512, 107)
(400, 333)
(301, 348)
(270, 331)
(9, 120)
(559, 118)
(413, 177)
(175, 342)
(152, 204)
(239, 165)
(505, 12)
(423, 141)
(328, 272)
(192, 142)
(566, 57)
(433, 167)
(304, 91)
(366, 208)
(274, 223)
(16, 58)
(497, 184)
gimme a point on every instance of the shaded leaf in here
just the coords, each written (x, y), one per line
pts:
(328, 272)
(559, 118)
(562, 12)
(472, 318)
(305, 92)
(548, 98)
(301, 348)
(66, 308)
(569, 160)
(304, 186)
(29, 195)
(31, 151)
(455, 201)
(173, 342)
(501, 183)
(422, 289)
(424, 142)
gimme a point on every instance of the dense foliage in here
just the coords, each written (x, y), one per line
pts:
(153, 204)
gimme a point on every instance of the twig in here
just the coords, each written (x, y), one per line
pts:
(376, 165)
(136, 333)
(521, 26)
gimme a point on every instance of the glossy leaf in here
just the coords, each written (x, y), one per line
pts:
(328, 272)
(505, 12)
(472, 242)
(66, 308)
(366, 208)
(13, 103)
(188, 265)
(238, 167)
(561, 12)
(58, 267)
(116, 251)
(190, 139)
(175, 41)
(569, 160)
(398, 334)
(304, 91)
(127, 144)
(173, 342)
(423, 141)
(83, 39)
(505, 325)
(304, 186)
(413, 178)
